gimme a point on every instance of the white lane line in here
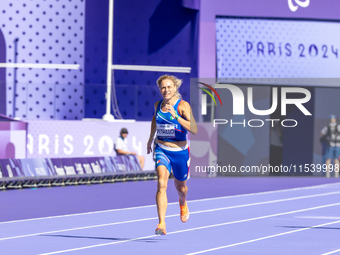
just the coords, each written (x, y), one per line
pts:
(80, 214)
(40, 66)
(174, 203)
(265, 192)
(197, 228)
(331, 252)
(263, 238)
(318, 217)
(173, 215)
(80, 228)
(269, 202)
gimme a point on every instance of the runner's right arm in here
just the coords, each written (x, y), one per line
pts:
(153, 130)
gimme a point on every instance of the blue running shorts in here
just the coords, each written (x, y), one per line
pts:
(176, 158)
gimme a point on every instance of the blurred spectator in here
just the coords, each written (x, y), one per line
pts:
(330, 135)
(122, 148)
(276, 150)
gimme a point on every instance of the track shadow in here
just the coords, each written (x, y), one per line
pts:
(146, 240)
(310, 227)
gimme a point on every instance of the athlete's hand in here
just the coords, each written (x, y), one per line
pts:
(170, 109)
(149, 146)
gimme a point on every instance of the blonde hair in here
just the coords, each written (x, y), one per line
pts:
(177, 82)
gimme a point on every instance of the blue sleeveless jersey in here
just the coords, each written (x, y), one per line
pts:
(168, 128)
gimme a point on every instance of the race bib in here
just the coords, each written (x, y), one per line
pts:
(166, 130)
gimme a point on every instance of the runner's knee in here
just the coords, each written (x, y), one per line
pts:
(162, 185)
(181, 188)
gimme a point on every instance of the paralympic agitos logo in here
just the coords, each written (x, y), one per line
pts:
(239, 104)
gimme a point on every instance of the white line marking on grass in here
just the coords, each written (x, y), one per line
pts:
(173, 215)
(263, 238)
(173, 203)
(197, 228)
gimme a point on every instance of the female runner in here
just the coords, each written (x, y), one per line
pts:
(172, 120)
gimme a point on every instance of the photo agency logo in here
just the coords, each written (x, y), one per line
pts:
(238, 102)
(204, 97)
(295, 4)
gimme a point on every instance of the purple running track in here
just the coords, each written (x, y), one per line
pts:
(295, 221)
(44, 202)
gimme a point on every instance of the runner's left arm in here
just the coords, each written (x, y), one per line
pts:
(187, 119)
